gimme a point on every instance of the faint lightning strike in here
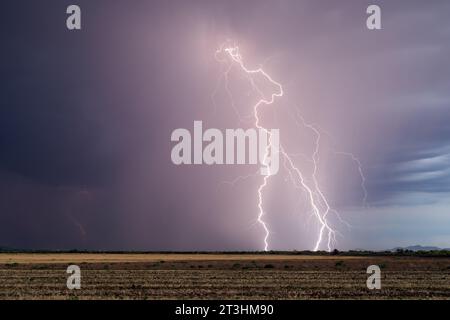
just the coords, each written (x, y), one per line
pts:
(361, 173)
(315, 159)
(241, 178)
(322, 198)
(349, 155)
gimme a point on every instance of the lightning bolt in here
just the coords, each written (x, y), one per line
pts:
(349, 155)
(316, 198)
(360, 171)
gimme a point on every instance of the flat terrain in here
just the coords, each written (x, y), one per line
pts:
(221, 276)
(147, 257)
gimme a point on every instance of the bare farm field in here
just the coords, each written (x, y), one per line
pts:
(221, 276)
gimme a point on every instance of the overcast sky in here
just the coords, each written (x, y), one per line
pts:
(86, 118)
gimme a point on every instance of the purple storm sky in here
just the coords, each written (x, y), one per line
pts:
(86, 118)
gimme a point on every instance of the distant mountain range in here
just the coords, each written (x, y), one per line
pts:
(419, 248)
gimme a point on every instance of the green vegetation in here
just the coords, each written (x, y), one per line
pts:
(339, 263)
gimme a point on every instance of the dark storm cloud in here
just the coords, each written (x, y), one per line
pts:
(49, 129)
(419, 160)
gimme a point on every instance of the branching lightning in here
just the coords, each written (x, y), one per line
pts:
(360, 171)
(316, 198)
